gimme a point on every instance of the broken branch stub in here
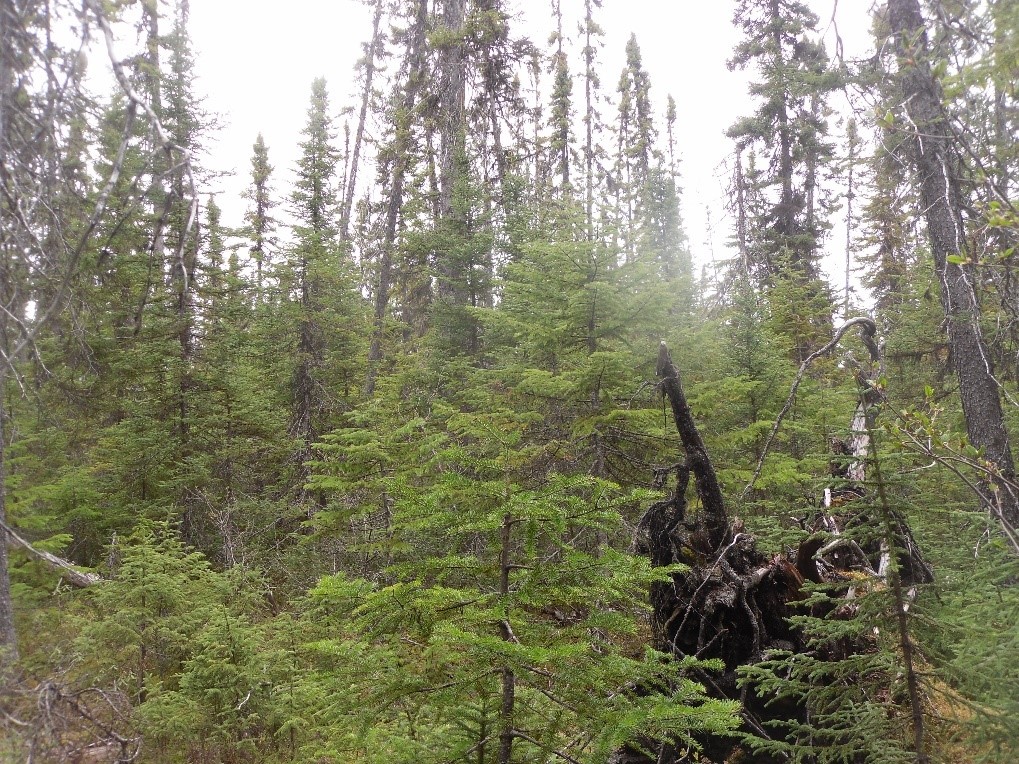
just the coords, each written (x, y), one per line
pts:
(697, 461)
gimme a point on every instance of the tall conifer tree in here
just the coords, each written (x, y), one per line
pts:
(789, 126)
(259, 217)
(327, 308)
(313, 206)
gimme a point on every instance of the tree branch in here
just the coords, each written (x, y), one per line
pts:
(869, 329)
(77, 578)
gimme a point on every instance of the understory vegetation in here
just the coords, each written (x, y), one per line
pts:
(400, 467)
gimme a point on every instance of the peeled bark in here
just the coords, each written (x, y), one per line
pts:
(76, 578)
(937, 176)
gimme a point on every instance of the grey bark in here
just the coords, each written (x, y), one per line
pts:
(589, 117)
(374, 48)
(8, 637)
(401, 158)
(937, 175)
(452, 135)
(53, 277)
(77, 578)
(506, 709)
(452, 101)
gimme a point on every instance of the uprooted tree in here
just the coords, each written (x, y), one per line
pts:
(732, 602)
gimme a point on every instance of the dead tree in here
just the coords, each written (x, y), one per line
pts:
(731, 604)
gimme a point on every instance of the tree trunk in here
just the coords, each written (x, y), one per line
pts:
(369, 74)
(8, 639)
(309, 353)
(508, 679)
(732, 602)
(937, 175)
(741, 214)
(8, 18)
(401, 158)
(705, 479)
(452, 94)
(589, 116)
(76, 578)
(786, 217)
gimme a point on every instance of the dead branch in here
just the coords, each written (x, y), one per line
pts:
(162, 135)
(705, 479)
(77, 578)
(868, 332)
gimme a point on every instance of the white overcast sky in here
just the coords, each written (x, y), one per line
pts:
(256, 60)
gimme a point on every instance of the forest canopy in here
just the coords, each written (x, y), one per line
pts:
(455, 448)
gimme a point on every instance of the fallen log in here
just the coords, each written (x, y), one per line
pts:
(77, 578)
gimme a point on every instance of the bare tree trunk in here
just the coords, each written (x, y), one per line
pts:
(937, 174)
(76, 578)
(1004, 139)
(8, 639)
(452, 127)
(152, 84)
(705, 480)
(850, 196)
(374, 48)
(589, 115)
(401, 151)
(452, 94)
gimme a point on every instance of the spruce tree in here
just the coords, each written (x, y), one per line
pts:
(326, 308)
(259, 217)
(935, 163)
(313, 207)
(794, 81)
(560, 117)
(394, 168)
(498, 626)
(373, 50)
(51, 209)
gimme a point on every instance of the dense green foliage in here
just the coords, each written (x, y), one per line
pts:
(369, 495)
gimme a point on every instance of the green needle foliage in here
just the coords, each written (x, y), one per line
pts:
(361, 469)
(498, 582)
